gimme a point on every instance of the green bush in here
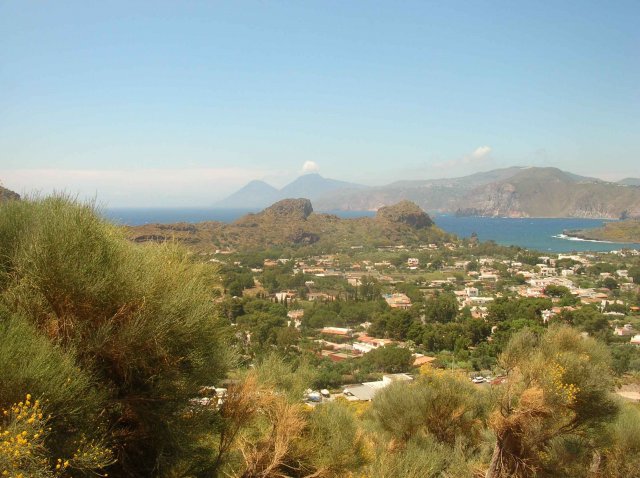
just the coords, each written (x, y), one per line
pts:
(132, 330)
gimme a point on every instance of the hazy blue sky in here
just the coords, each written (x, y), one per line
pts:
(179, 103)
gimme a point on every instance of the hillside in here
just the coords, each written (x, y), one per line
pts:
(620, 231)
(550, 192)
(6, 194)
(630, 182)
(292, 223)
(436, 195)
(510, 192)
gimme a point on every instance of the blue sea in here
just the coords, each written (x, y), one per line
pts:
(531, 233)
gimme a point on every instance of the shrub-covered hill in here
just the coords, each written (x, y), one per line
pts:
(292, 222)
(112, 339)
(7, 194)
(621, 231)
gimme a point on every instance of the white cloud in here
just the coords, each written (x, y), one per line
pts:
(135, 187)
(310, 167)
(480, 153)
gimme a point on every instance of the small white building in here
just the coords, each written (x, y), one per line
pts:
(546, 271)
(471, 291)
(367, 390)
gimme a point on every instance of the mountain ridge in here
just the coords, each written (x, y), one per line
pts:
(551, 192)
(509, 192)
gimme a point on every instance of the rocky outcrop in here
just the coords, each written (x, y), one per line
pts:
(405, 212)
(500, 200)
(302, 237)
(290, 208)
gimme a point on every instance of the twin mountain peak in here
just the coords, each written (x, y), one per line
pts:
(404, 212)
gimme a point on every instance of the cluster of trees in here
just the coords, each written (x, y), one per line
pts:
(434, 324)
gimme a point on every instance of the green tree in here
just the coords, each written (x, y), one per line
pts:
(634, 273)
(610, 283)
(442, 308)
(389, 358)
(369, 288)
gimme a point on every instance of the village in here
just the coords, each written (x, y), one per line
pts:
(371, 317)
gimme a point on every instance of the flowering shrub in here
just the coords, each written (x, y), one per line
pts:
(23, 453)
(22, 432)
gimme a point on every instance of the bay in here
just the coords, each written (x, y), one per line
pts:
(541, 234)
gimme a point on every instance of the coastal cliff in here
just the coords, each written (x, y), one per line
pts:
(549, 192)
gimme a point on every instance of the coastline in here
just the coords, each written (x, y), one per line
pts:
(570, 237)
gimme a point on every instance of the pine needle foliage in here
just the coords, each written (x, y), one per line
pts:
(554, 407)
(133, 329)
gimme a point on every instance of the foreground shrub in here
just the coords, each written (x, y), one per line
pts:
(117, 337)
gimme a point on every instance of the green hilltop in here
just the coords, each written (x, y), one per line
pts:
(292, 223)
(620, 231)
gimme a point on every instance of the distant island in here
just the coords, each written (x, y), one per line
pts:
(507, 192)
(621, 231)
